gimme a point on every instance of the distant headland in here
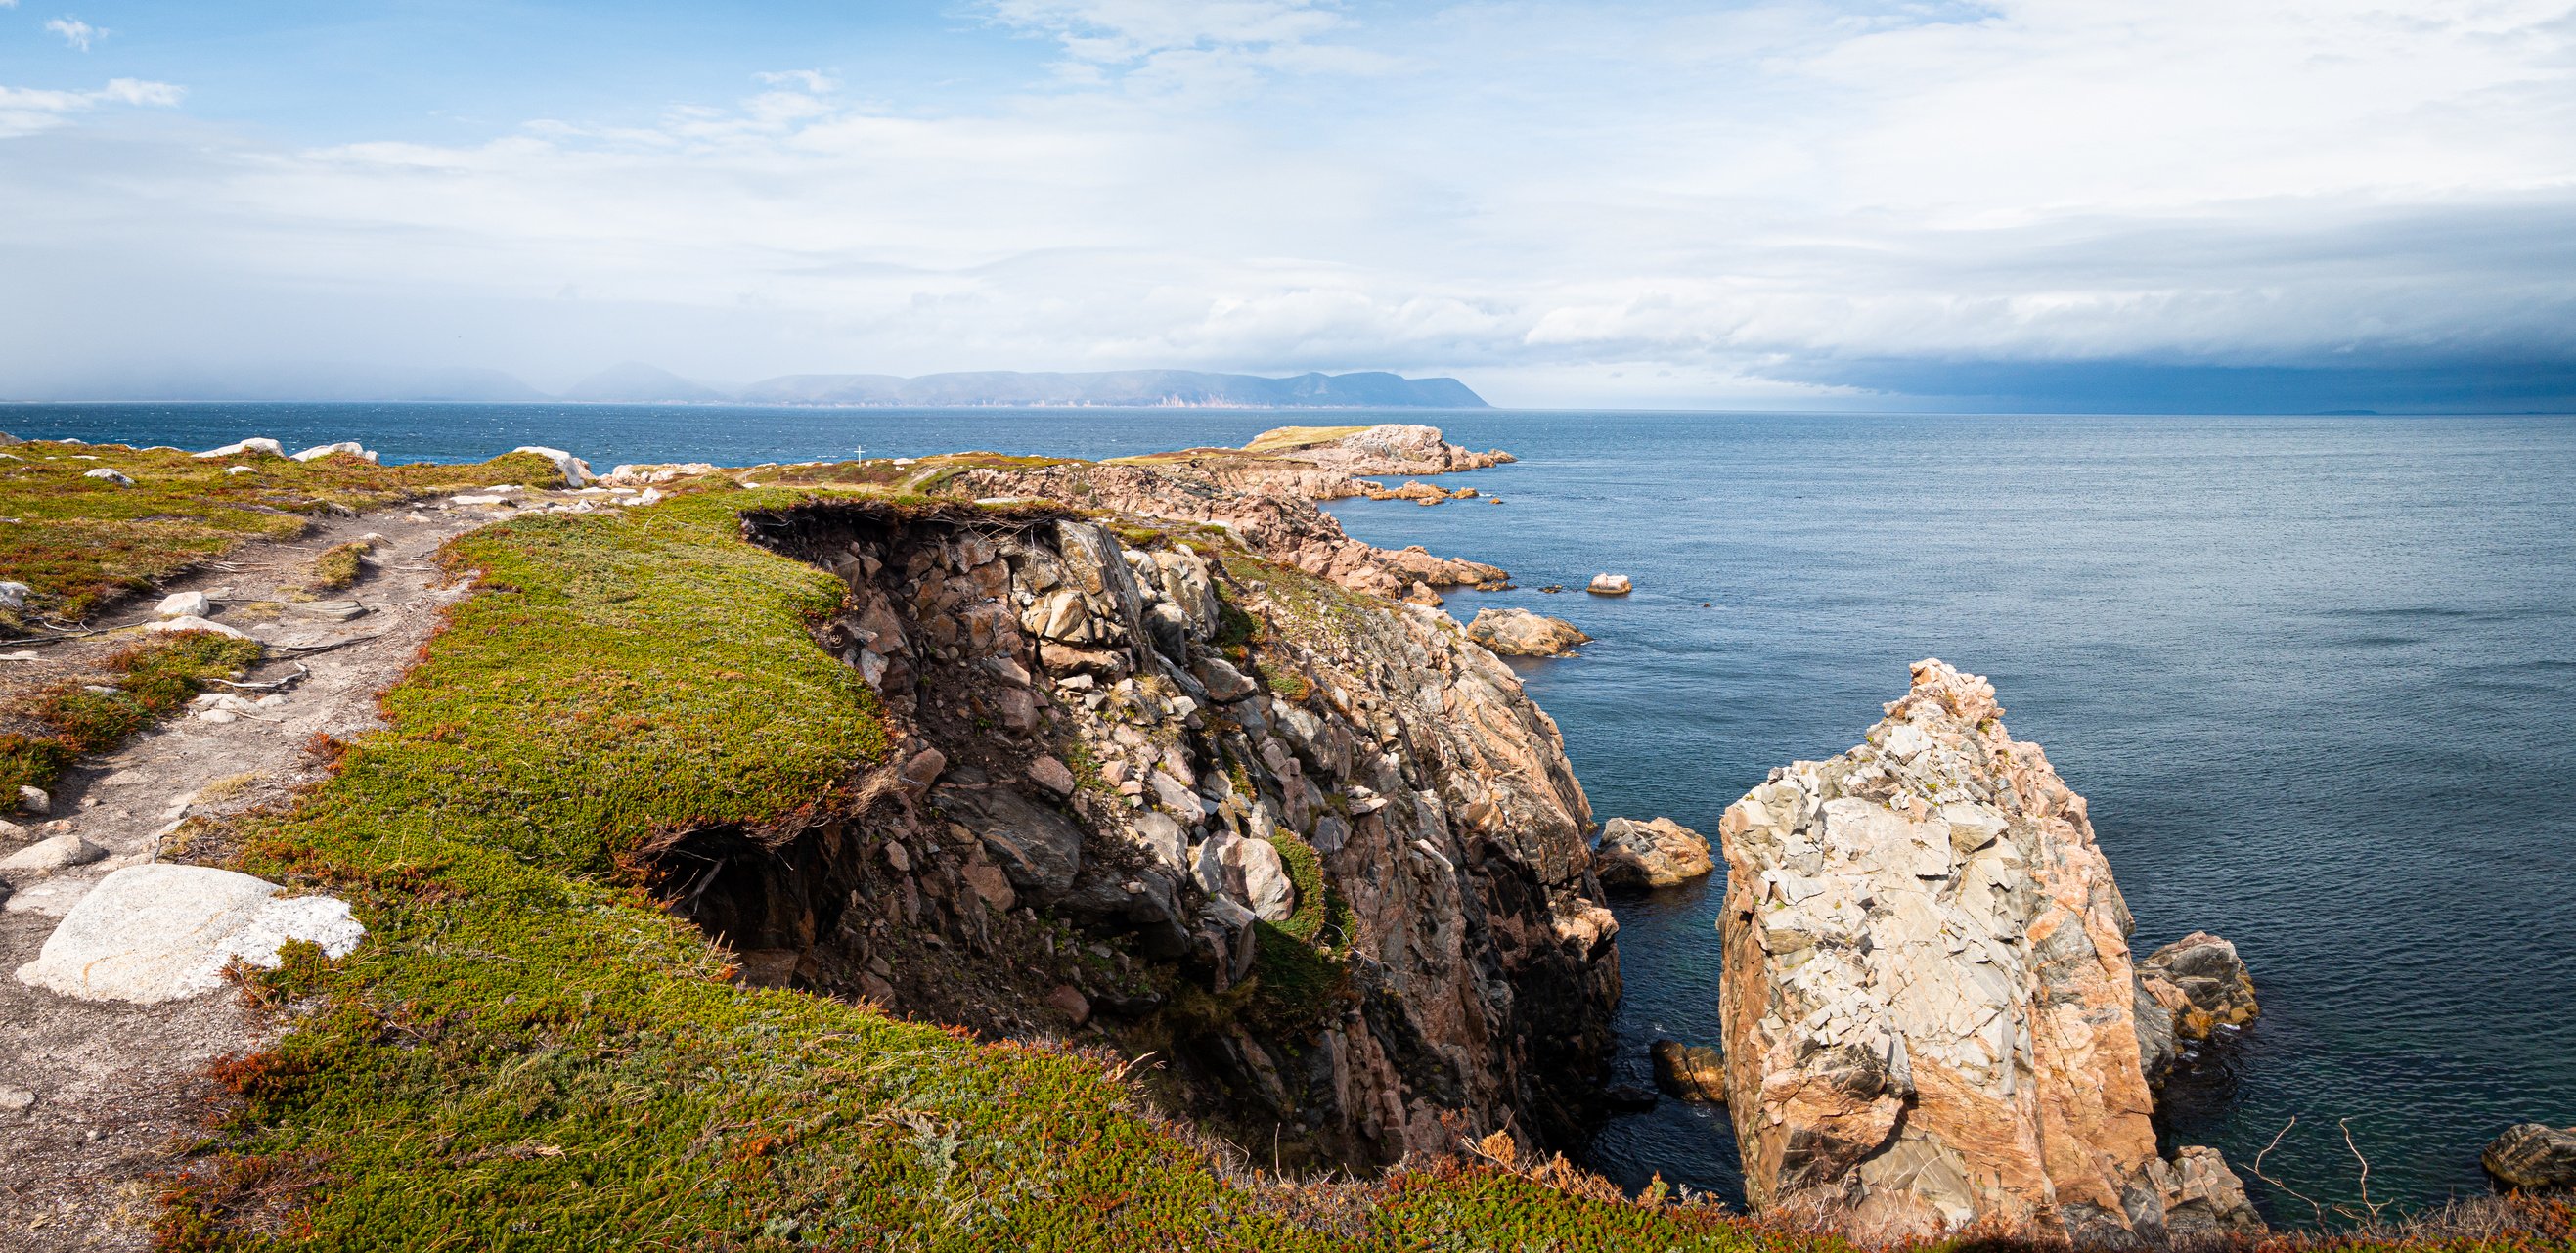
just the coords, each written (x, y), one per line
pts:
(640, 384)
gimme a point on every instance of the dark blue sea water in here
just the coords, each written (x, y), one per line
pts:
(2317, 676)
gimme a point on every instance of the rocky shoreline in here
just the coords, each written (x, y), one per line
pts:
(1181, 770)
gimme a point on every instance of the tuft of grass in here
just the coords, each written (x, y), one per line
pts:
(149, 681)
(78, 540)
(337, 567)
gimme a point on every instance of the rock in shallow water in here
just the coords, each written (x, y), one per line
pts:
(1693, 1072)
(1520, 633)
(1928, 1001)
(2533, 1156)
(1658, 853)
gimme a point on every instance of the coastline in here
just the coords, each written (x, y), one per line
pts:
(990, 470)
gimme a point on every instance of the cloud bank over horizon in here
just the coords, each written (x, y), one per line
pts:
(2108, 204)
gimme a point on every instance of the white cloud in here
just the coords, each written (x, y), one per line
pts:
(76, 32)
(26, 110)
(1196, 48)
(1549, 192)
(813, 82)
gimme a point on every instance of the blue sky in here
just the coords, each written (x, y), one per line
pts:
(2086, 204)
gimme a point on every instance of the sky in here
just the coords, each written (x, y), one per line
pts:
(2065, 205)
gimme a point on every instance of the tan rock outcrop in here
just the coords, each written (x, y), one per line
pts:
(1520, 633)
(1690, 1072)
(1659, 853)
(1928, 998)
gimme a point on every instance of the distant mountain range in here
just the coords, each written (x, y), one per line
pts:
(637, 383)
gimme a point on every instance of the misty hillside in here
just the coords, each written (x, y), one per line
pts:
(1136, 388)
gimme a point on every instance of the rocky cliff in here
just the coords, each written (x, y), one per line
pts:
(1314, 851)
(1928, 998)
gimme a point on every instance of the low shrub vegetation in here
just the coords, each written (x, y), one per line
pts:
(142, 684)
(77, 540)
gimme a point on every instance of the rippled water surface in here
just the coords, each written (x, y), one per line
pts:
(2317, 676)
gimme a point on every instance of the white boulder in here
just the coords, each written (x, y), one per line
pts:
(269, 446)
(576, 471)
(349, 446)
(47, 856)
(13, 595)
(193, 623)
(156, 933)
(1609, 585)
(184, 605)
(109, 475)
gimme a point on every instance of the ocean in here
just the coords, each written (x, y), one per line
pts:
(2317, 676)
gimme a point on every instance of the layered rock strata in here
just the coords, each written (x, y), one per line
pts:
(2533, 1156)
(1928, 998)
(1320, 853)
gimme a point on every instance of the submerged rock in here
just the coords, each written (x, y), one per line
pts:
(1692, 1072)
(1658, 853)
(2533, 1156)
(1929, 1008)
(1520, 633)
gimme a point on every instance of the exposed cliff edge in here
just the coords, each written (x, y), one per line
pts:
(1929, 1003)
(1333, 859)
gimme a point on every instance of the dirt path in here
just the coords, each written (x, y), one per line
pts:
(114, 1084)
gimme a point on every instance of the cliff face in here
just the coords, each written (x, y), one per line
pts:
(1318, 852)
(1928, 997)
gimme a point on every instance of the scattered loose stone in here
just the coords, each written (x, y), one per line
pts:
(49, 855)
(35, 800)
(1609, 585)
(184, 605)
(13, 595)
(1069, 1001)
(193, 623)
(16, 1100)
(1659, 853)
(335, 610)
(1052, 775)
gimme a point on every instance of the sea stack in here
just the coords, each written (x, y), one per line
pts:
(1929, 1003)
